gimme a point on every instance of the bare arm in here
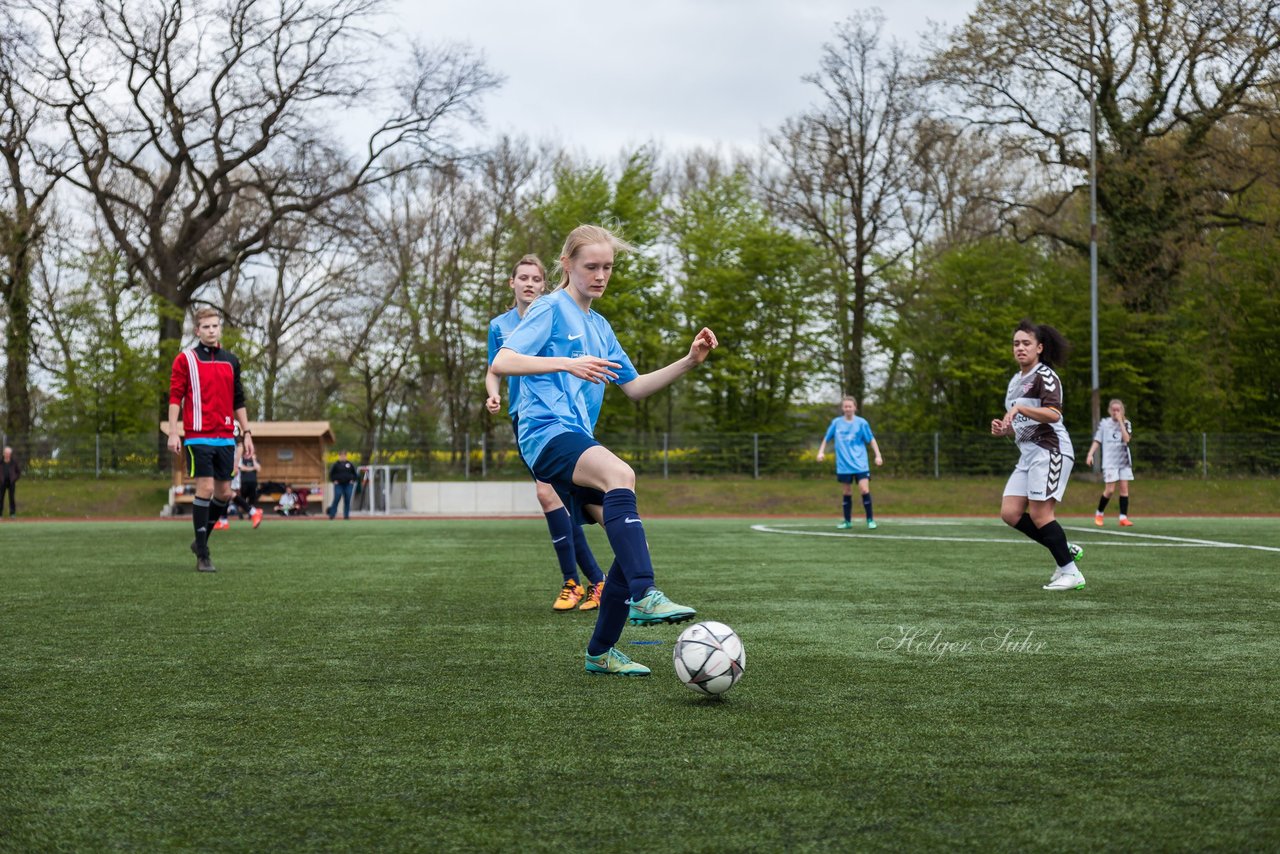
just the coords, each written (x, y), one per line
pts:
(1124, 432)
(876, 449)
(242, 417)
(655, 381)
(822, 450)
(175, 441)
(493, 390)
(1043, 414)
(1088, 458)
(510, 363)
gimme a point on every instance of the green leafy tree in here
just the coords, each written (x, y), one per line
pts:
(951, 345)
(637, 302)
(97, 348)
(757, 286)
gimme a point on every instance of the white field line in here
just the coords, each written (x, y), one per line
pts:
(1132, 540)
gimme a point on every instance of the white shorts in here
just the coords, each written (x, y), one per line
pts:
(1040, 475)
(1113, 475)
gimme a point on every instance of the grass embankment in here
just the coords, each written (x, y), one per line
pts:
(143, 497)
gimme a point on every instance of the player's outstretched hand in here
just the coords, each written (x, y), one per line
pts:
(703, 343)
(493, 404)
(593, 369)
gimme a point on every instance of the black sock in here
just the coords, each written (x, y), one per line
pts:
(200, 521)
(866, 506)
(1102, 503)
(1055, 540)
(217, 510)
(848, 507)
(1026, 526)
(1124, 505)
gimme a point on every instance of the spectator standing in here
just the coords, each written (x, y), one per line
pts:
(10, 471)
(343, 475)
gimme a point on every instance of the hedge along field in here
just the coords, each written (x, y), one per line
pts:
(404, 685)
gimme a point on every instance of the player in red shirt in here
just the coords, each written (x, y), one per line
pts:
(205, 388)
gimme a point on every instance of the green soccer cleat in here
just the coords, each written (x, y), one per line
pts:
(844, 526)
(656, 608)
(613, 663)
(1076, 552)
(871, 524)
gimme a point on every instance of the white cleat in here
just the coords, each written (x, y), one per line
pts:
(1066, 581)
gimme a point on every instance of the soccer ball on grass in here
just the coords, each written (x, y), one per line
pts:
(709, 657)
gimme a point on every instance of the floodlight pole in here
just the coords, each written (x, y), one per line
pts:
(1095, 395)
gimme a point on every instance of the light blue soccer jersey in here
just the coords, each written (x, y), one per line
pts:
(500, 328)
(559, 402)
(851, 438)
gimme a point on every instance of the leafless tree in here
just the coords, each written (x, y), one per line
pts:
(31, 169)
(1170, 78)
(282, 303)
(840, 172)
(201, 127)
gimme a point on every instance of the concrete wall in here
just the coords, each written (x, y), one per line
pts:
(474, 498)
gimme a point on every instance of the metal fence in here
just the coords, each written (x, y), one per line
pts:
(789, 454)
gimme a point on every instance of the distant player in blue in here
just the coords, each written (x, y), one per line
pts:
(528, 280)
(566, 354)
(852, 434)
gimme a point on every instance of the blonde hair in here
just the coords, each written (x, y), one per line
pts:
(1113, 402)
(588, 235)
(849, 397)
(202, 313)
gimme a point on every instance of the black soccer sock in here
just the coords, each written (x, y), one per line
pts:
(217, 510)
(245, 507)
(848, 507)
(200, 521)
(866, 506)
(1124, 505)
(1053, 538)
(1026, 526)
(1102, 502)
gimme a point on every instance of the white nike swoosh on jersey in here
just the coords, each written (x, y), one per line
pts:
(631, 521)
(559, 539)
(576, 337)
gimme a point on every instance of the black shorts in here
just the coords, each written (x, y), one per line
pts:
(215, 461)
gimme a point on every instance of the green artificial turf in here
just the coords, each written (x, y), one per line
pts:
(405, 686)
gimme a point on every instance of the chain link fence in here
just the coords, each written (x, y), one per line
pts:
(789, 454)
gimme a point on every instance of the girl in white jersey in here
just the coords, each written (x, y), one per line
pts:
(1033, 417)
(1113, 437)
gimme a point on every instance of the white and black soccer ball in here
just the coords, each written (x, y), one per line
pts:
(709, 657)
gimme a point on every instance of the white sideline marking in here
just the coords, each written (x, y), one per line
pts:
(1190, 541)
(1171, 542)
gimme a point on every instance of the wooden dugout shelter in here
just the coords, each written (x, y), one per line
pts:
(290, 452)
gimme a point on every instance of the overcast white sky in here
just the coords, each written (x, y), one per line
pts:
(601, 76)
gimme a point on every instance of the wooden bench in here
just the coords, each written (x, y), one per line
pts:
(266, 500)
